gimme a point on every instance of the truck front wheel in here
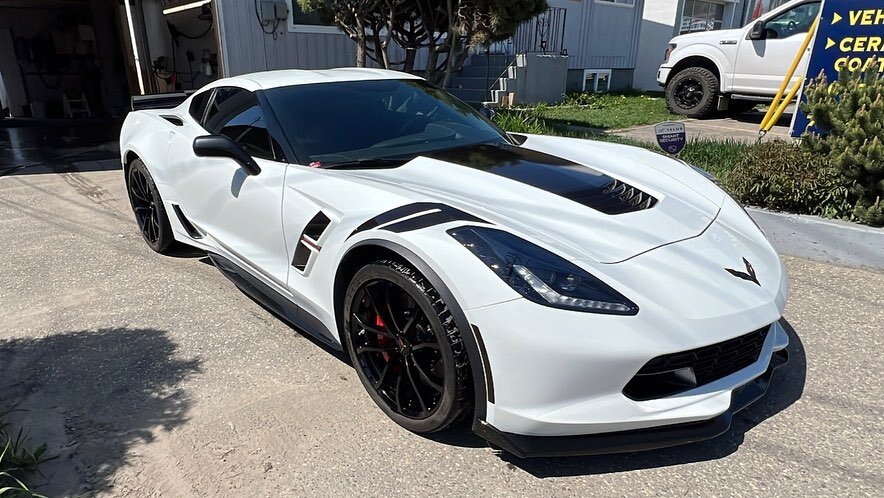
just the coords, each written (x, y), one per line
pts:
(692, 92)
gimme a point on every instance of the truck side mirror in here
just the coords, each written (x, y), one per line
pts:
(758, 31)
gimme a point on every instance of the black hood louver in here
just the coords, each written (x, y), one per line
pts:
(553, 174)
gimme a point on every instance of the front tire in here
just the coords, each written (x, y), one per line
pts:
(692, 92)
(150, 212)
(406, 348)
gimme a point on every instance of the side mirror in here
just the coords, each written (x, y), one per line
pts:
(758, 31)
(223, 146)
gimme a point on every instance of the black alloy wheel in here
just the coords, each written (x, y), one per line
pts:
(405, 348)
(688, 93)
(150, 214)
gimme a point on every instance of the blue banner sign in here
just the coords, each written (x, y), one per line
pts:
(851, 35)
(671, 136)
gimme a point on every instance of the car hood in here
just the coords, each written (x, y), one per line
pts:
(581, 198)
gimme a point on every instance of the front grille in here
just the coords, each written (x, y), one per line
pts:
(678, 372)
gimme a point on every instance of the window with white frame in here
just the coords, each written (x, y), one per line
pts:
(596, 80)
(308, 22)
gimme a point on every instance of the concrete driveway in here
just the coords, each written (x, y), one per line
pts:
(743, 127)
(154, 376)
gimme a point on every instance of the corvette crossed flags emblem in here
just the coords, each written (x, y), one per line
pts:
(749, 274)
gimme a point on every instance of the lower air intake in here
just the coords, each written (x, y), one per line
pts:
(678, 372)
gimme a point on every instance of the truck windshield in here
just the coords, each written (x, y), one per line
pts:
(375, 123)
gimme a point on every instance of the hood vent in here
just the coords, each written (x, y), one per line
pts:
(553, 174)
(630, 196)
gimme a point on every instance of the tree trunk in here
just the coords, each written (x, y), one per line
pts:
(360, 43)
(408, 64)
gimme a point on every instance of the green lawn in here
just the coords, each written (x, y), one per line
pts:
(607, 111)
(715, 156)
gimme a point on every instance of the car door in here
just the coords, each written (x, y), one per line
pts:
(761, 64)
(241, 212)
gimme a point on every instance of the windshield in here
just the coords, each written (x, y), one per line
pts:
(362, 121)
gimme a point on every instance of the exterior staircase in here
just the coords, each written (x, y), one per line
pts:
(480, 77)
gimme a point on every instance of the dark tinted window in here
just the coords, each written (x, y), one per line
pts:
(198, 105)
(235, 112)
(348, 121)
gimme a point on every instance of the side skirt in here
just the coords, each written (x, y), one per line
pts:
(280, 305)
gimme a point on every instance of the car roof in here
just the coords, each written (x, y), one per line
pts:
(287, 77)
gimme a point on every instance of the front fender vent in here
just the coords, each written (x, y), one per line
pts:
(308, 242)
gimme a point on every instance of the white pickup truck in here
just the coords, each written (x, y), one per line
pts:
(732, 70)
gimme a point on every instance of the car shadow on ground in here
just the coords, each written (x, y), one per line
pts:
(756, 116)
(91, 396)
(785, 389)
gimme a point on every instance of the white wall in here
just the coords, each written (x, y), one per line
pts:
(657, 28)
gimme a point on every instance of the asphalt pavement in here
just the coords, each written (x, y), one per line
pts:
(154, 376)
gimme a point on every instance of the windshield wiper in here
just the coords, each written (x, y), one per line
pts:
(366, 163)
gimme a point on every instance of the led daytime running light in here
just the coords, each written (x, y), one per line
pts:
(553, 297)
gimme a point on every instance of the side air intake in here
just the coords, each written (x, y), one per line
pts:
(308, 242)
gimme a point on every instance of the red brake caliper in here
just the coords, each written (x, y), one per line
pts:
(382, 339)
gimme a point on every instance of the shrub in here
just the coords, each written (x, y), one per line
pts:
(524, 121)
(850, 113)
(780, 175)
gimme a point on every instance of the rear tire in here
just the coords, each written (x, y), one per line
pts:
(406, 348)
(150, 212)
(692, 92)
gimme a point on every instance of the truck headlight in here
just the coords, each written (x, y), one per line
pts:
(668, 52)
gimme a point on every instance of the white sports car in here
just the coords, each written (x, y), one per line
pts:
(571, 296)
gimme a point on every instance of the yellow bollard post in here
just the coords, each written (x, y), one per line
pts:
(765, 123)
(782, 107)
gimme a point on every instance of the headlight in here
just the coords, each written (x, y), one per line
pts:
(668, 52)
(541, 276)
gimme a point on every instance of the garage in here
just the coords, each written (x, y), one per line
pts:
(83, 59)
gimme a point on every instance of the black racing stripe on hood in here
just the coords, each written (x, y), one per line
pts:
(553, 174)
(441, 214)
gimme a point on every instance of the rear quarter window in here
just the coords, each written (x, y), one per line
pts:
(198, 105)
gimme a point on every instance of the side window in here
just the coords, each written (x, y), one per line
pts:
(235, 112)
(198, 105)
(796, 20)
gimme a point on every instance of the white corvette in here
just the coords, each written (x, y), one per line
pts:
(571, 296)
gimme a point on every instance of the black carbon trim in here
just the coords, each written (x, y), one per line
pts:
(553, 174)
(523, 446)
(278, 304)
(443, 214)
(188, 226)
(485, 363)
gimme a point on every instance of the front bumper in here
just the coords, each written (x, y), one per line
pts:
(663, 75)
(524, 446)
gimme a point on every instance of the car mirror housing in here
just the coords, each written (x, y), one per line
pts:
(223, 146)
(758, 31)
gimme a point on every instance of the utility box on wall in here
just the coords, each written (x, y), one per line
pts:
(540, 78)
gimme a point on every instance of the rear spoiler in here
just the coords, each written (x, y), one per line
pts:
(159, 100)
